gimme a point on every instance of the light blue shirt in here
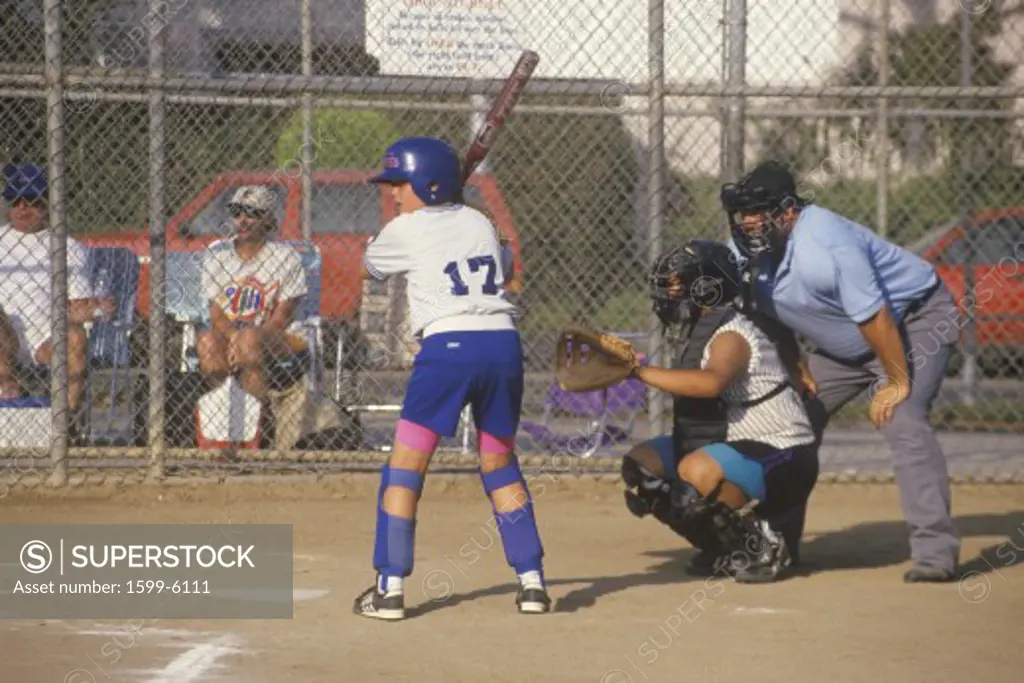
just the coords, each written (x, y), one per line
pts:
(836, 274)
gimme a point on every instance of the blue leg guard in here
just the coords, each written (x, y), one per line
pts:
(518, 528)
(395, 542)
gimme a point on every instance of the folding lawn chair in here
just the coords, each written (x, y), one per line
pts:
(113, 271)
(600, 406)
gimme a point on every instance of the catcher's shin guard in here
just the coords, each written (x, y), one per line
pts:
(396, 536)
(518, 528)
(644, 492)
(698, 516)
(676, 505)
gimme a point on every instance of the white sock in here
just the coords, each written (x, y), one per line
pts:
(531, 579)
(392, 585)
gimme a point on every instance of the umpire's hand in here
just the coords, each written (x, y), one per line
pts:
(886, 399)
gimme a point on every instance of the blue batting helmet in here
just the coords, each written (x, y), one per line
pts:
(430, 165)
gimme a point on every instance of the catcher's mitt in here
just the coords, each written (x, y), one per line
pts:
(586, 360)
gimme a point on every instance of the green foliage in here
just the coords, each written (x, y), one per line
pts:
(931, 56)
(629, 310)
(572, 187)
(342, 138)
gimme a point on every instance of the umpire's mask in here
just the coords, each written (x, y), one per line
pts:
(756, 204)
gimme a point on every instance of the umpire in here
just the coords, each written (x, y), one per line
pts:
(881, 320)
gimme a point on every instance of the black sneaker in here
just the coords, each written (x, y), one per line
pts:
(763, 556)
(533, 600)
(376, 605)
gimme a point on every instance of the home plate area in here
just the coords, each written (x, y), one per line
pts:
(624, 611)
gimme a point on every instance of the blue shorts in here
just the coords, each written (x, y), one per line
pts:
(482, 369)
(744, 472)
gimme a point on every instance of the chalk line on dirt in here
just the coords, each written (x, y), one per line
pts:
(299, 594)
(739, 609)
(196, 662)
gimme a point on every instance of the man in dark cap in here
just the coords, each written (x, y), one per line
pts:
(26, 273)
(881, 320)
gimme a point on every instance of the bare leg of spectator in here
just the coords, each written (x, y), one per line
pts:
(253, 349)
(9, 346)
(77, 345)
(213, 357)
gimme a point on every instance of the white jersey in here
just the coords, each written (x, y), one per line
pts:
(26, 274)
(250, 291)
(454, 266)
(782, 420)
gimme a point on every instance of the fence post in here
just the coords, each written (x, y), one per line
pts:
(157, 247)
(657, 413)
(56, 169)
(882, 153)
(735, 75)
(970, 341)
(307, 123)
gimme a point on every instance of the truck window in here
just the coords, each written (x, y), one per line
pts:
(1000, 238)
(214, 218)
(346, 209)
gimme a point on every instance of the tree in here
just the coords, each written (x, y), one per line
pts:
(929, 56)
(342, 138)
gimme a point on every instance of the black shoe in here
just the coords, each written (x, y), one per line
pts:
(78, 428)
(376, 605)
(533, 600)
(763, 557)
(923, 573)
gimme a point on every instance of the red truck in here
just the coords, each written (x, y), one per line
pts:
(997, 292)
(346, 210)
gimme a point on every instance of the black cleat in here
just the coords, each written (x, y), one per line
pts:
(533, 600)
(376, 605)
(761, 559)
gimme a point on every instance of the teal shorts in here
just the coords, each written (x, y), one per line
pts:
(741, 470)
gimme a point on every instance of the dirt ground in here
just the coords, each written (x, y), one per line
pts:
(625, 612)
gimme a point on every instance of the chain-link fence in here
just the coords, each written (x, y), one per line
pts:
(146, 118)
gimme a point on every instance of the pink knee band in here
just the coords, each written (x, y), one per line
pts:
(417, 438)
(488, 443)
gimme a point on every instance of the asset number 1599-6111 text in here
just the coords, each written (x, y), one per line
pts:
(175, 587)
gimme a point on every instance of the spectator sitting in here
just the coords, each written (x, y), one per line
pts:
(254, 287)
(25, 288)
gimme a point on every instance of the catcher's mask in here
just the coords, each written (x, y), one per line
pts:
(701, 274)
(756, 204)
(252, 212)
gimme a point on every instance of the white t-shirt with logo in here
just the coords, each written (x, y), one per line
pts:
(249, 291)
(454, 264)
(26, 276)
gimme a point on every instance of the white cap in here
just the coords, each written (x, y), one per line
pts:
(255, 197)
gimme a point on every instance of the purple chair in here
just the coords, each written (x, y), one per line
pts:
(629, 395)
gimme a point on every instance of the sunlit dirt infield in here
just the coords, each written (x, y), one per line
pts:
(624, 609)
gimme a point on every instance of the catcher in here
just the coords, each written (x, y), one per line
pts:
(742, 458)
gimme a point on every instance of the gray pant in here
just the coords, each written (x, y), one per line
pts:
(922, 476)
